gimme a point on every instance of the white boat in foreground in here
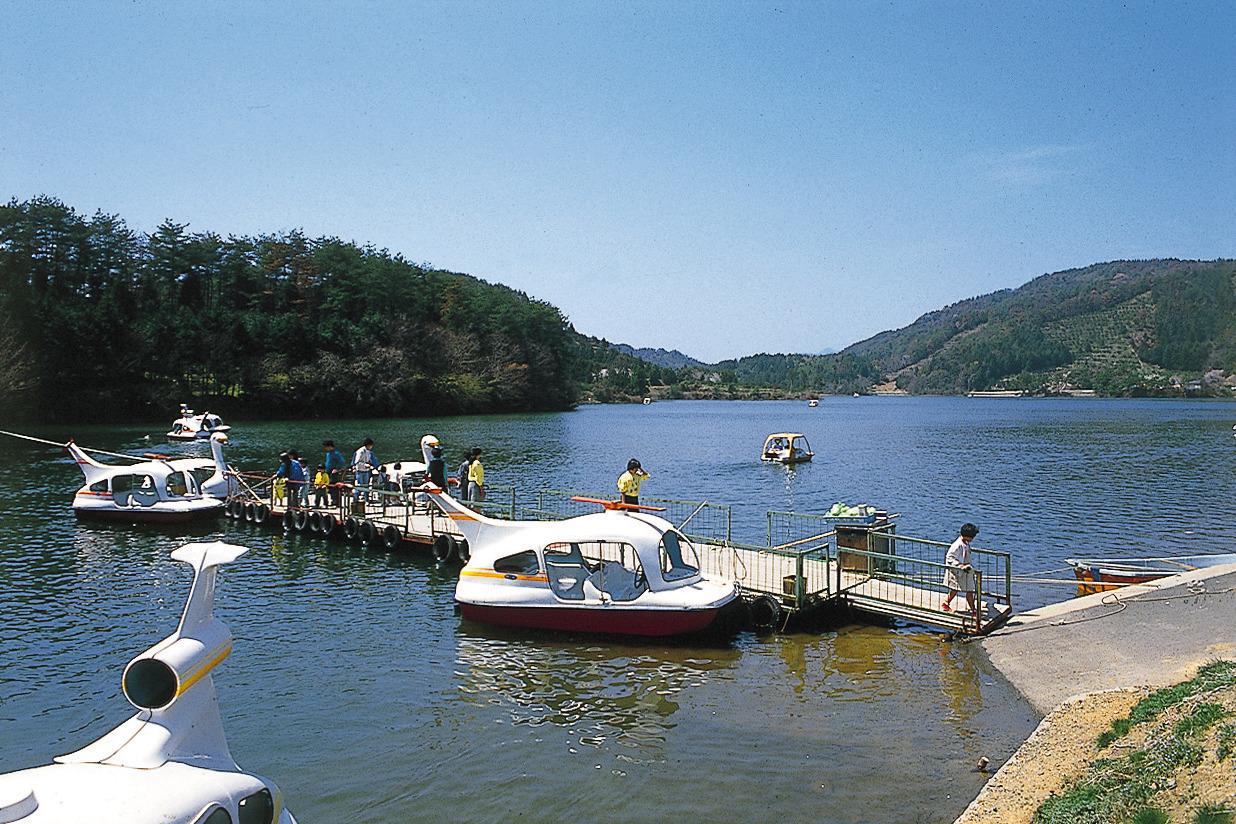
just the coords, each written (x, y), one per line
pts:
(622, 571)
(170, 763)
(191, 427)
(157, 490)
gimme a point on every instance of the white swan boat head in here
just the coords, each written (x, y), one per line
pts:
(170, 762)
(190, 427)
(158, 490)
(623, 571)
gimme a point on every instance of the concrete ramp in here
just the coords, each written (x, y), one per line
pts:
(1152, 634)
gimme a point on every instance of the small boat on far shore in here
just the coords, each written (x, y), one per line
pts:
(1102, 574)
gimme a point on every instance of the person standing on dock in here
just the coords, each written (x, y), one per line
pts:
(321, 486)
(476, 477)
(958, 573)
(335, 463)
(629, 482)
(363, 464)
(462, 473)
(436, 468)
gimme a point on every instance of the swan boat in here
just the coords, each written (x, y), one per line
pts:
(191, 427)
(170, 762)
(620, 571)
(159, 490)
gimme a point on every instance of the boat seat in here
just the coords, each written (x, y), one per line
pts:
(617, 581)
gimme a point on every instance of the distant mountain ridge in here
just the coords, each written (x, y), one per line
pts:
(667, 358)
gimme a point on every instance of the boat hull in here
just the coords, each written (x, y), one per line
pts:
(1104, 575)
(147, 515)
(601, 620)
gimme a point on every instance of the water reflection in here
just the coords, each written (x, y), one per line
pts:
(599, 692)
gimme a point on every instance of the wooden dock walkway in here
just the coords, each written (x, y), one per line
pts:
(869, 569)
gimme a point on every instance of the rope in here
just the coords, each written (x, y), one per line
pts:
(82, 448)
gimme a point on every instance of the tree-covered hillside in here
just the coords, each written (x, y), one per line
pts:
(103, 322)
(1126, 327)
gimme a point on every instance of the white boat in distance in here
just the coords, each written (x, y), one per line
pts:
(620, 571)
(158, 490)
(191, 427)
(170, 763)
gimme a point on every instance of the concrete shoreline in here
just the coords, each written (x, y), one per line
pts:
(1084, 661)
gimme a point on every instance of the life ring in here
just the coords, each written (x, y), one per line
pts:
(391, 539)
(288, 520)
(261, 513)
(765, 611)
(368, 533)
(328, 524)
(315, 522)
(443, 548)
(250, 511)
(300, 520)
(462, 551)
(351, 528)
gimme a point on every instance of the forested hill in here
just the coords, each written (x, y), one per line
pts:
(1126, 327)
(101, 322)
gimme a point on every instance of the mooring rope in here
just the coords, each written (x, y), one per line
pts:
(64, 445)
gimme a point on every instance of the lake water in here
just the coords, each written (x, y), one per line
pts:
(356, 687)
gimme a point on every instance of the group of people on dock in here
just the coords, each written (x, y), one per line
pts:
(295, 484)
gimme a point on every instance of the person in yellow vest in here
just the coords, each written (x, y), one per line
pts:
(476, 477)
(321, 486)
(629, 481)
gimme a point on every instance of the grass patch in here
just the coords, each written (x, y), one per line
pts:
(1203, 717)
(1212, 815)
(1227, 741)
(1150, 815)
(1214, 675)
(1116, 788)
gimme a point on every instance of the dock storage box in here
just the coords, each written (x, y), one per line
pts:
(875, 537)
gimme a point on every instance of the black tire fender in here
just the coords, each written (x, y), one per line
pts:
(368, 532)
(329, 522)
(443, 548)
(391, 539)
(315, 522)
(462, 551)
(288, 520)
(351, 528)
(765, 611)
(300, 520)
(261, 513)
(250, 510)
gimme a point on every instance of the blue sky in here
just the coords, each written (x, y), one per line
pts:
(720, 178)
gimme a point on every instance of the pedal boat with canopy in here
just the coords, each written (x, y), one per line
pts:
(620, 571)
(157, 490)
(786, 448)
(191, 427)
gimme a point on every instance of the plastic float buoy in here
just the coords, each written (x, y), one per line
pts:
(351, 528)
(765, 612)
(391, 537)
(315, 522)
(261, 513)
(250, 511)
(368, 532)
(300, 520)
(443, 548)
(287, 520)
(328, 524)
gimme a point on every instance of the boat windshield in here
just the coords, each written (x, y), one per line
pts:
(678, 558)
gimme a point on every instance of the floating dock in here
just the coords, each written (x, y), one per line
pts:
(808, 562)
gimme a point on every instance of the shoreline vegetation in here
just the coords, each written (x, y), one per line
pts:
(102, 323)
(1132, 755)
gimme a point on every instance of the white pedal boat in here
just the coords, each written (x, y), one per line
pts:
(621, 571)
(160, 490)
(191, 427)
(170, 763)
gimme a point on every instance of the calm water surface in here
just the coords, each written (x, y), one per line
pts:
(357, 688)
